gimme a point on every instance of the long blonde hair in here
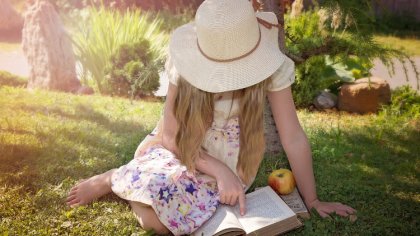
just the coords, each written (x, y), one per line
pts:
(194, 110)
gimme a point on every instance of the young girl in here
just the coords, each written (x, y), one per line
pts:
(207, 148)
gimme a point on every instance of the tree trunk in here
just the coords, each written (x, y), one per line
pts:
(272, 139)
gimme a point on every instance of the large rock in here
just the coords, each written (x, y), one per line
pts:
(364, 95)
(48, 49)
(325, 100)
(11, 22)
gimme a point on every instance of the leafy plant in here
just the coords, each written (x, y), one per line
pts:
(8, 79)
(328, 51)
(104, 31)
(132, 71)
(404, 102)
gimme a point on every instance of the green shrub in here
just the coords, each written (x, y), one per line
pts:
(327, 52)
(132, 71)
(8, 79)
(404, 102)
(103, 32)
(318, 72)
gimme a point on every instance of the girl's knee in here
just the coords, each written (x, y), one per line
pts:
(148, 219)
(157, 228)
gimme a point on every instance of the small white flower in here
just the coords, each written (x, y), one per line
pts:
(323, 16)
(336, 18)
(297, 8)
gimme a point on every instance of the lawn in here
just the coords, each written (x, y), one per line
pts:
(49, 140)
(410, 44)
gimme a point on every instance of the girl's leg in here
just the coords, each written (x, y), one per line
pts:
(88, 190)
(148, 218)
(94, 187)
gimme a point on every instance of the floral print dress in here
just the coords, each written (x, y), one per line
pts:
(184, 201)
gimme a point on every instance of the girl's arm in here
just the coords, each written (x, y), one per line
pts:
(297, 148)
(229, 186)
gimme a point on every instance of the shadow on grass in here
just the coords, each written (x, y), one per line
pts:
(87, 113)
(76, 144)
(373, 168)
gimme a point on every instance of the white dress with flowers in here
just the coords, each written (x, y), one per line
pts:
(181, 200)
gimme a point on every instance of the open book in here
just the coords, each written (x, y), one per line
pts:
(295, 202)
(266, 214)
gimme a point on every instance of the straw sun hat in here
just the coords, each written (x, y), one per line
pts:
(229, 46)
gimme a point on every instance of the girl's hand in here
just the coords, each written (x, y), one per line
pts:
(230, 189)
(324, 209)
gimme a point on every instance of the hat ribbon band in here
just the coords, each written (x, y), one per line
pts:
(231, 59)
(265, 23)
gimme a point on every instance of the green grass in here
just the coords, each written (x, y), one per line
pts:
(50, 140)
(369, 162)
(410, 45)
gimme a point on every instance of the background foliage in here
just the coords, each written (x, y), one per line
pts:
(132, 72)
(331, 47)
(404, 102)
(104, 31)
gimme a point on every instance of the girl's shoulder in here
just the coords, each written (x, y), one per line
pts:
(283, 77)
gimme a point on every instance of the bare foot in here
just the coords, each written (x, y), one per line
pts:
(88, 190)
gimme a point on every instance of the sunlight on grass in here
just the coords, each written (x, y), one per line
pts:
(408, 196)
(369, 170)
(411, 45)
(9, 47)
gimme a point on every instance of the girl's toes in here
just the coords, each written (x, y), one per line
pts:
(77, 204)
(71, 198)
(74, 189)
(342, 213)
(73, 203)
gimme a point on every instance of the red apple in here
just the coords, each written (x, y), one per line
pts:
(282, 181)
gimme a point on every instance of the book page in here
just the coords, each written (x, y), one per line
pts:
(222, 219)
(264, 207)
(295, 202)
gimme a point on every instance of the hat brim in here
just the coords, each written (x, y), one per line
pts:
(215, 77)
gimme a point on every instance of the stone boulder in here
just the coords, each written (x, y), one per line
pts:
(11, 22)
(84, 90)
(325, 100)
(48, 49)
(364, 95)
